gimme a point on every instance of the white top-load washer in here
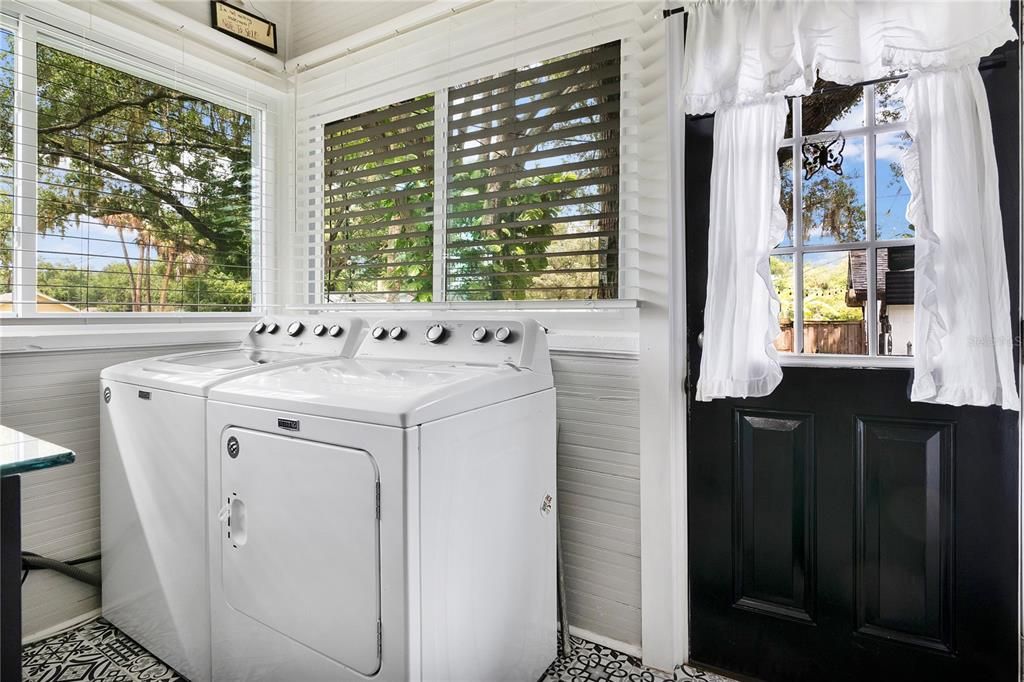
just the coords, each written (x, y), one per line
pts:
(153, 479)
(389, 516)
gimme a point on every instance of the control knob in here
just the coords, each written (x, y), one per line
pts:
(396, 333)
(480, 334)
(295, 328)
(503, 334)
(379, 333)
(260, 327)
(272, 328)
(319, 330)
(436, 333)
(335, 331)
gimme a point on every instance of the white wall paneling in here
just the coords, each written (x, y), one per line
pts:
(599, 491)
(55, 396)
(315, 26)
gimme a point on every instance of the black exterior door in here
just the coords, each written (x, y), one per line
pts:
(838, 531)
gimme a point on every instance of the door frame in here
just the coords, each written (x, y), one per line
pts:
(1020, 331)
(664, 544)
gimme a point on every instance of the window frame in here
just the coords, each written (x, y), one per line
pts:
(28, 34)
(439, 294)
(870, 244)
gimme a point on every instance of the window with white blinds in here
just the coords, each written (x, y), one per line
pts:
(138, 196)
(378, 204)
(527, 197)
(533, 181)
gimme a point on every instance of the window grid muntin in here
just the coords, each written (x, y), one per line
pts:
(870, 245)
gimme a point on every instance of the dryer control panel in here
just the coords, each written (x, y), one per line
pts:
(521, 343)
(314, 334)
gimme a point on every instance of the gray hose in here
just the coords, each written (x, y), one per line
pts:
(29, 561)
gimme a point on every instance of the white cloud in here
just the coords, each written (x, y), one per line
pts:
(890, 149)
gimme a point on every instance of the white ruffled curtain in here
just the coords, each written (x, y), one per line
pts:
(741, 58)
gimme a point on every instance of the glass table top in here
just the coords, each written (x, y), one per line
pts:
(20, 452)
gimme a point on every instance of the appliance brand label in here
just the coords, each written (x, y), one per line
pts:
(145, 395)
(288, 424)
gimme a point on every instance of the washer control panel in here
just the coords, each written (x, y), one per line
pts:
(321, 335)
(512, 342)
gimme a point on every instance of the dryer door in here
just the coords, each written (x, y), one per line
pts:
(300, 549)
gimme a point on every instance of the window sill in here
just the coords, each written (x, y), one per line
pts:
(75, 336)
(846, 361)
(71, 336)
(488, 306)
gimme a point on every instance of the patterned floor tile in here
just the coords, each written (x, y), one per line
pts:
(97, 651)
(590, 662)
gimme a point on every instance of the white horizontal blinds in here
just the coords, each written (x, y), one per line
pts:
(378, 204)
(6, 169)
(533, 181)
(144, 193)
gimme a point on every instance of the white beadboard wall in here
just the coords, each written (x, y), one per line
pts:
(55, 396)
(599, 490)
(312, 24)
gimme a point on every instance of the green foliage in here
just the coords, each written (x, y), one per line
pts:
(378, 241)
(167, 174)
(110, 289)
(825, 288)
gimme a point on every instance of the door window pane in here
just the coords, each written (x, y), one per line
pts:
(895, 300)
(786, 200)
(835, 108)
(889, 104)
(833, 190)
(833, 310)
(891, 192)
(783, 279)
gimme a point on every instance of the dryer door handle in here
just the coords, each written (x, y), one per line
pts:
(237, 532)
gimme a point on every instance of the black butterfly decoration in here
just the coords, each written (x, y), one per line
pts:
(825, 154)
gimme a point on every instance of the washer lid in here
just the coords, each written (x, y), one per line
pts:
(195, 372)
(389, 392)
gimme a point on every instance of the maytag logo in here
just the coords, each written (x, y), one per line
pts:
(145, 395)
(288, 424)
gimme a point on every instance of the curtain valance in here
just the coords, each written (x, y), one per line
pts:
(739, 51)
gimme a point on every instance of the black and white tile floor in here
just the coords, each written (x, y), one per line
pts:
(95, 650)
(98, 651)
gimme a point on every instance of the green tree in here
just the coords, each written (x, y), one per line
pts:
(506, 252)
(155, 166)
(378, 215)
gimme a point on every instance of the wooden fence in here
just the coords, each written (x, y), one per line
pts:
(848, 337)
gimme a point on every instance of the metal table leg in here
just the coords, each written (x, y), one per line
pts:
(10, 578)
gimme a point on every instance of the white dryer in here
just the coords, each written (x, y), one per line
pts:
(153, 480)
(389, 516)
